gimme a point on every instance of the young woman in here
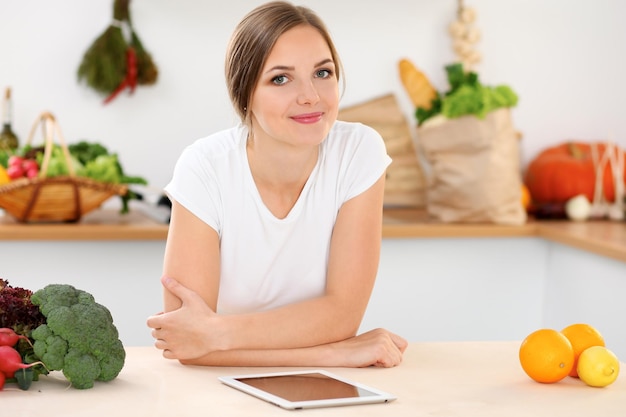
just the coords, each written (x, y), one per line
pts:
(274, 239)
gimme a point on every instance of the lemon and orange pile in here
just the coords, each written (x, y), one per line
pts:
(578, 351)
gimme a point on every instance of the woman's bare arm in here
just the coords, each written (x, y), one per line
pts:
(192, 258)
(377, 347)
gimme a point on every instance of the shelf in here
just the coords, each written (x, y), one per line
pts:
(603, 237)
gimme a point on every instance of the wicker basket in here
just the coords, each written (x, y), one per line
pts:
(54, 199)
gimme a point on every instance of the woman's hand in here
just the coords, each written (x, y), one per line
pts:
(377, 347)
(194, 330)
(190, 331)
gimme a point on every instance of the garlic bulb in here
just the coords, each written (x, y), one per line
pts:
(456, 29)
(464, 37)
(578, 208)
(472, 35)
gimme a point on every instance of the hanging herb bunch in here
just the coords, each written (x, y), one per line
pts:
(117, 60)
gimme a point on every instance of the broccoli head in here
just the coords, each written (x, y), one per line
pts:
(49, 348)
(79, 336)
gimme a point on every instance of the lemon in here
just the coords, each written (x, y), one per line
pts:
(4, 177)
(598, 366)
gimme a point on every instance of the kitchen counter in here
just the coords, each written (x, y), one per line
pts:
(102, 224)
(603, 237)
(444, 379)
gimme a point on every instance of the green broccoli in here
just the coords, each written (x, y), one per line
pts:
(52, 351)
(79, 337)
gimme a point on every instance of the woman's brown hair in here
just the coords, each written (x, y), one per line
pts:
(254, 38)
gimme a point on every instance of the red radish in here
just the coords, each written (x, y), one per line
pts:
(2, 378)
(15, 171)
(29, 164)
(11, 361)
(15, 160)
(31, 172)
(9, 338)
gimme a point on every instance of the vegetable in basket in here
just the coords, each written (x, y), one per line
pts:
(101, 165)
(91, 160)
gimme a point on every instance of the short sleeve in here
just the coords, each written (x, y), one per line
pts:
(365, 160)
(194, 186)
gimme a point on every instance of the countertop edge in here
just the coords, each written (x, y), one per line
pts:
(601, 237)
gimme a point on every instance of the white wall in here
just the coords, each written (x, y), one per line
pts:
(564, 58)
(459, 288)
(583, 287)
(428, 289)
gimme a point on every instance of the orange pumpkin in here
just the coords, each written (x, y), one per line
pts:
(564, 171)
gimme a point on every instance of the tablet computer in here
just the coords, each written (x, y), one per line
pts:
(296, 390)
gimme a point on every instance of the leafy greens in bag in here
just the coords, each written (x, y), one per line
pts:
(467, 96)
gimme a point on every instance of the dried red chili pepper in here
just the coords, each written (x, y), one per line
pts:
(130, 80)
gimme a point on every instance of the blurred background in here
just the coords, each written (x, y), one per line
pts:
(565, 60)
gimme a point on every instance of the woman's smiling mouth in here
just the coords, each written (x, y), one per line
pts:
(308, 118)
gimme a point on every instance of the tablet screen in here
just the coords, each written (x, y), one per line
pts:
(306, 387)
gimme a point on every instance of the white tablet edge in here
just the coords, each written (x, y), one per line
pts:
(379, 397)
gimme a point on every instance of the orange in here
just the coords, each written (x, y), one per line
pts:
(582, 336)
(546, 356)
(526, 198)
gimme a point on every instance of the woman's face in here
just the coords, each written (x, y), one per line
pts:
(297, 96)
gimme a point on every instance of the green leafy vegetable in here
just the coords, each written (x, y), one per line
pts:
(467, 96)
(102, 165)
(57, 165)
(103, 168)
(79, 337)
(24, 378)
(85, 151)
(4, 158)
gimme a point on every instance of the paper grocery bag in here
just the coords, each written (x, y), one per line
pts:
(475, 174)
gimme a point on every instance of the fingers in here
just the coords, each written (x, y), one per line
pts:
(186, 295)
(391, 357)
(161, 344)
(391, 348)
(167, 354)
(174, 287)
(154, 322)
(400, 342)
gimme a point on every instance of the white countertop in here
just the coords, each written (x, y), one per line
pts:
(450, 379)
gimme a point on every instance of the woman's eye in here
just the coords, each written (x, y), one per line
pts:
(279, 80)
(323, 73)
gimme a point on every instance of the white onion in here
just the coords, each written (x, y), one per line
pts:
(578, 208)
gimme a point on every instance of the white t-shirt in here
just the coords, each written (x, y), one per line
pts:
(267, 262)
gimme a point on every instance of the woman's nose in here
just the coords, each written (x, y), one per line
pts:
(307, 93)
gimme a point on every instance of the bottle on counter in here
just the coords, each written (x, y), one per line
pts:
(8, 139)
